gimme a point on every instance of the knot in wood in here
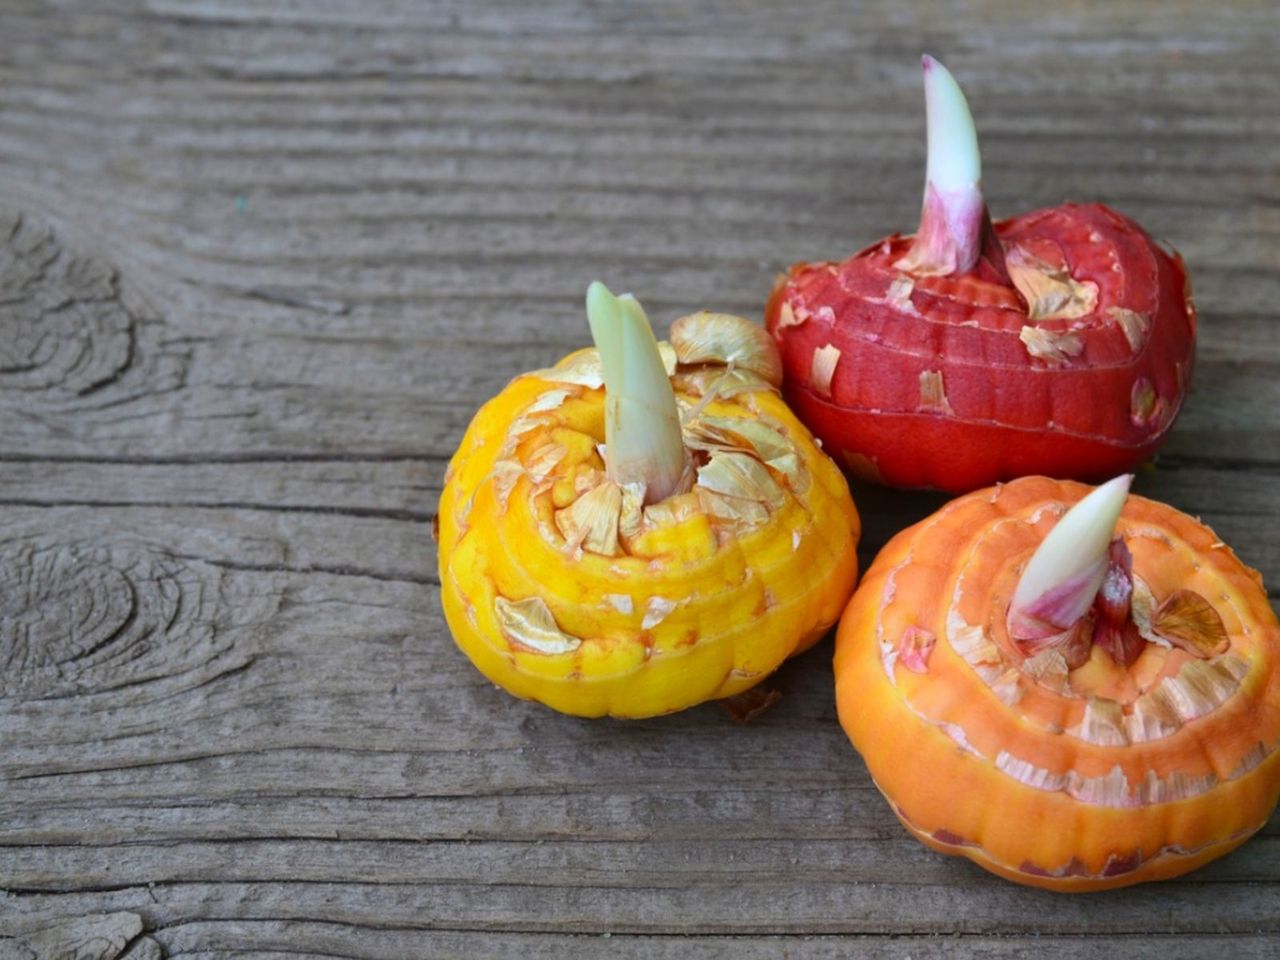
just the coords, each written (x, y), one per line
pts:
(80, 618)
(71, 338)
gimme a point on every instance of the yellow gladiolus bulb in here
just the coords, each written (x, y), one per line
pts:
(644, 526)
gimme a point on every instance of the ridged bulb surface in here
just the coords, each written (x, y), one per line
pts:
(563, 587)
(1074, 367)
(1069, 778)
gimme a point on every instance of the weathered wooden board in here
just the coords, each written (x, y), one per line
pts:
(258, 266)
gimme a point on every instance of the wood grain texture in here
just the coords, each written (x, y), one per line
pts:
(259, 264)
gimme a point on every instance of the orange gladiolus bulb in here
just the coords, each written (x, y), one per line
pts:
(1105, 714)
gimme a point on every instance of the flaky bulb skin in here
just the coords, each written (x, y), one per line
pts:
(958, 382)
(1077, 779)
(696, 597)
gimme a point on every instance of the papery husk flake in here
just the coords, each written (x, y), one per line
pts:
(621, 602)
(1142, 606)
(545, 459)
(1102, 723)
(1188, 621)
(722, 382)
(933, 393)
(789, 317)
(1153, 717)
(1048, 668)
(740, 475)
(591, 521)
(972, 643)
(1145, 405)
(505, 474)
(546, 402)
(670, 511)
(1026, 772)
(1200, 687)
(657, 610)
(1109, 790)
(756, 437)
(738, 512)
(1191, 622)
(898, 296)
(823, 368)
(1135, 326)
(1008, 687)
(1052, 347)
(1176, 786)
(583, 367)
(530, 624)
(1051, 292)
(631, 512)
(723, 338)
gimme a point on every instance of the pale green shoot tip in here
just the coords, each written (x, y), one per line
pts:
(643, 441)
(954, 161)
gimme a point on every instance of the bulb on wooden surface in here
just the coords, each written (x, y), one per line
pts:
(1075, 719)
(643, 526)
(1057, 342)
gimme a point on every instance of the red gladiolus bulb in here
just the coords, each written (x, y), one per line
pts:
(1057, 342)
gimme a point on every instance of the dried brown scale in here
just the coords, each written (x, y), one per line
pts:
(1189, 621)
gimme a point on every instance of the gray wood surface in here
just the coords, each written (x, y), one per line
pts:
(259, 263)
